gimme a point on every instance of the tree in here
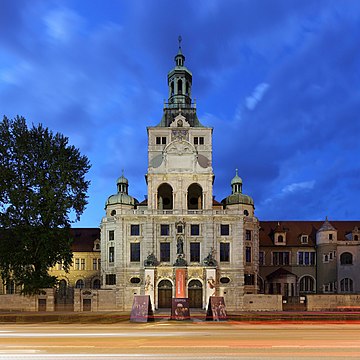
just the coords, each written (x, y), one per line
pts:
(42, 191)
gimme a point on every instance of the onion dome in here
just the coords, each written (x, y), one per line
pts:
(237, 197)
(122, 196)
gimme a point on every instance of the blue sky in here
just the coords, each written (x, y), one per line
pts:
(278, 80)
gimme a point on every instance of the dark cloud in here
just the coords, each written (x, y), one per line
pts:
(97, 72)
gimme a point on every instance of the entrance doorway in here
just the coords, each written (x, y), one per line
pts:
(195, 294)
(164, 294)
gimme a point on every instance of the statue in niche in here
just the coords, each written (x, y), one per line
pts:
(180, 246)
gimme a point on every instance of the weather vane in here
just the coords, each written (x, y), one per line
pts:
(180, 39)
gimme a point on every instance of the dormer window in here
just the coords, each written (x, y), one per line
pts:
(304, 239)
(280, 238)
(96, 245)
(330, 236)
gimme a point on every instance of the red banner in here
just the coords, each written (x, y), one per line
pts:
(180, 283)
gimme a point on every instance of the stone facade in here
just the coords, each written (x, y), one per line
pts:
(180, 241)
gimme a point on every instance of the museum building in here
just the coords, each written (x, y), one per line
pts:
(180, 241)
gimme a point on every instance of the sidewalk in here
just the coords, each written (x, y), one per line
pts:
(165, 314)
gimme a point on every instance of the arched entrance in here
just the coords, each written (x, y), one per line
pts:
(164, 294)
(195, 294)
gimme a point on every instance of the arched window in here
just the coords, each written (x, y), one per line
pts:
(96, 284)
(187, 88)
(356, 237)
(172, 88)
(307, 284)
(346, 258)
(80, 284)
(280, 239)
(179, 84)
(346, 285)
(194, 200)
(165, 197)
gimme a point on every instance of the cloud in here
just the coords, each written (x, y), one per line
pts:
(62, 24)
(300, 186)
(256, 96)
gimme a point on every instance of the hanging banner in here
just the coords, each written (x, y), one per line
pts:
(210, 284)
(180, 283)
(149, 284)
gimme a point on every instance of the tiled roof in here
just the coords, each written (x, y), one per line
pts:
(83, 239)
(294, 230)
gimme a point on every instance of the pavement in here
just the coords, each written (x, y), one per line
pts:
(197, 315)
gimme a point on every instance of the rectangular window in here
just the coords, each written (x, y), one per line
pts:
(110, 279)
(95, 264)
(304, 239)
(165, 252)
(77, 264)
(163, 140)
(99, 264)
(330, 236)
(135, 252)
(224, 252)
(306, 258)
(195, 230)
(180, 229)
(111, 254)
(281, 258)
(248, 254)
(164, 230)
(261, 258)
(194, 252)
(224, 229)
(248, 235)
(134, 229)
(111, 235)
(198, 140)
(82, 264)
(158, 140)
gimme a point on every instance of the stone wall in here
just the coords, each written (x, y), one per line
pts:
(17, 302)
(332, 302)
(94, 300)
(262, 302)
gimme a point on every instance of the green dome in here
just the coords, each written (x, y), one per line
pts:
(238, 198)
(122, 180)
(121, 198)
(236, 179)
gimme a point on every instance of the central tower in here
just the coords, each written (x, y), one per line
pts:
(180, 174)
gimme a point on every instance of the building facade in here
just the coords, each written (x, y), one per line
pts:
(180, 242)
(297, 258)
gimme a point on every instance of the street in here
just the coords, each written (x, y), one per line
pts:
(181, 340)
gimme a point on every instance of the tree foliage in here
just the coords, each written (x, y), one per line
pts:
(42, 191)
